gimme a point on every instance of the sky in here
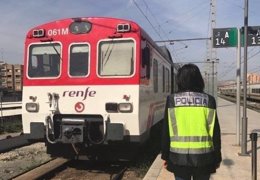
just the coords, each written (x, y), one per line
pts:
(161, 19)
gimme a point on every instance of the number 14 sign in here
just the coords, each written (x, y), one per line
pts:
(224, 37)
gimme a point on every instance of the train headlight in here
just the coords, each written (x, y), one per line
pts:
(80, 27)
(112, 107)
(125, 107)
(123, 28)
(32, 107)
(37, 33)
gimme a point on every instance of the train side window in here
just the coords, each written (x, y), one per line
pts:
(145, 69)
(79, 60)
(155, 75)
(167, 80)
(163, 76)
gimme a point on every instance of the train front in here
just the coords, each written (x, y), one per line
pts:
(81, 84)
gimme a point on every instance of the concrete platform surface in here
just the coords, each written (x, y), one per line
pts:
(233, 166)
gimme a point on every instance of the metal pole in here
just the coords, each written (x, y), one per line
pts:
(2, 54)
(253, 137)
(244, 122)
(208, 84)
(1, 106)
(238, 114)
(213, 94)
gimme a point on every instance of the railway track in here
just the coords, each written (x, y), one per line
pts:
(31, 162)
(10, 142)
(61, 168)
(43, 170)
(254, 105)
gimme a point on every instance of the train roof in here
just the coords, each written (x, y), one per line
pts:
(162, 49)
(167, 53)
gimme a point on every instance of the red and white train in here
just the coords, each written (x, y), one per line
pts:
(93, 83)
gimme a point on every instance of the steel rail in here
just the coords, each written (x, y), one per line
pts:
(13, 142)
(43, 169)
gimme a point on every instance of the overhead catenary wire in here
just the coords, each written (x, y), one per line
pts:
(231, 67)
(171, 48)
(155, 18)
(187, 16)
(146, 17)
(186, 13)
(155, 30)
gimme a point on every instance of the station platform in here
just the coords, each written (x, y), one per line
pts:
(233, 165)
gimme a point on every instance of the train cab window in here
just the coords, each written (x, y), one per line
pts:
(79, 60)
(155, 75)
(44, 60)
(116, 58)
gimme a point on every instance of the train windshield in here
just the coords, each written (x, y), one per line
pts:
(44, 60)
(79, 60)
(116, 58)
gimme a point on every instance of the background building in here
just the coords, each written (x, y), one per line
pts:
(1, 66)
(11, 77)
(253, 78)
(11, 82)
(18, 77)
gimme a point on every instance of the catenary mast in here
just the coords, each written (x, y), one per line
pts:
(210, 72)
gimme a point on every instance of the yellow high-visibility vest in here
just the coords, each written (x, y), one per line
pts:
(191, 129)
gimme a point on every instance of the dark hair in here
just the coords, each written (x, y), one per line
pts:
(189, 78)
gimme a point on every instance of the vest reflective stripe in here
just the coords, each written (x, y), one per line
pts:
(191, 151)
(173, 130)
(192, 130)
(192, 145)
(191, 138)
(211, 121)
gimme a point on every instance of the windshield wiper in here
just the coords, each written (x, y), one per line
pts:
(57, 52)
(108, 53)
(52, 45)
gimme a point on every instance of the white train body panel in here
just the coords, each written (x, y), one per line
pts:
(148, 109)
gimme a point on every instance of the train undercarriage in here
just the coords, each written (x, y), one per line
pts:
(86, 137)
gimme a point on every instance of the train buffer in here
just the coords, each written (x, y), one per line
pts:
(233, 165)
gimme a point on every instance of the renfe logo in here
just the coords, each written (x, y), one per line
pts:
(79, 107)
(84, 94)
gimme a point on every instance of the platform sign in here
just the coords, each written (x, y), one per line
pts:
(224, 37)
(253, 36)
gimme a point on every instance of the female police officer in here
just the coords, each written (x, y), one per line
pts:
(191, 145)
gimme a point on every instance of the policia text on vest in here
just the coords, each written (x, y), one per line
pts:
(193, 99)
